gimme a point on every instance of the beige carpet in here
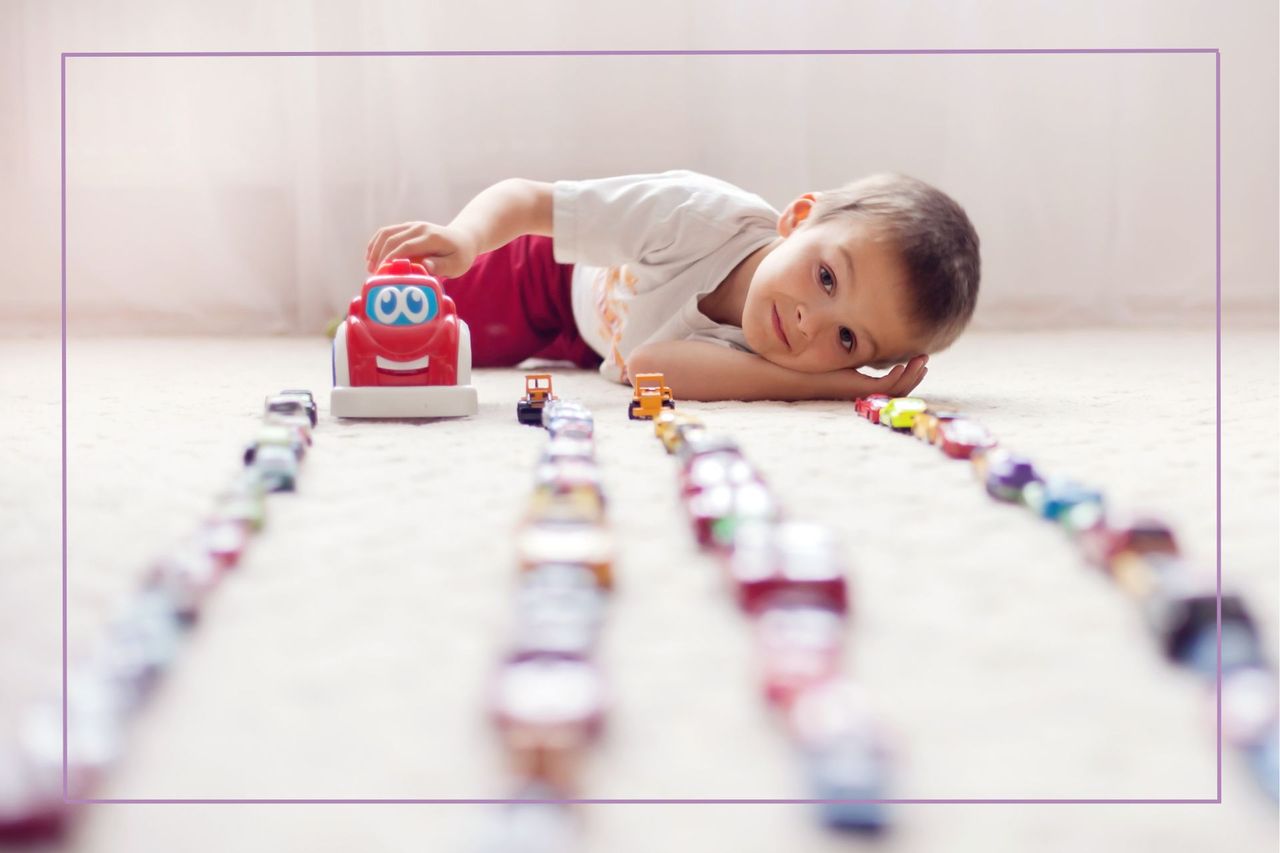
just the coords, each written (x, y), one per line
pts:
(349, 655)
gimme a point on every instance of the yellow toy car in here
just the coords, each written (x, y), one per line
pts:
(926, 425)
(671, 428)
(900, 412)
(650, 397)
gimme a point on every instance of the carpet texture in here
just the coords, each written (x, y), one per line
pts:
(349, 655)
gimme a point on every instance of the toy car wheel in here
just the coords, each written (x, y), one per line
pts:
(528, 414)
(668, 404)
(631, 411)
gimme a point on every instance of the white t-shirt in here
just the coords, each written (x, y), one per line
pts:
(645, 248)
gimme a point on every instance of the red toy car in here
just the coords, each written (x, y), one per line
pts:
(402, 351)
(864, 405)
(793, 559)
(960, 437)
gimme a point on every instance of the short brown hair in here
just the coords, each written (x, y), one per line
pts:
(934, 237)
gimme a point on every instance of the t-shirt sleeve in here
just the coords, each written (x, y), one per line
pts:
(658, 219)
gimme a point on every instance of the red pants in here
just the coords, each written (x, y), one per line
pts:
(516, 301)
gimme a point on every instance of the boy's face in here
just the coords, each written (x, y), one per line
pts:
(828, 297)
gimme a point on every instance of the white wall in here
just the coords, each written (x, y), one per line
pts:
(238, 194)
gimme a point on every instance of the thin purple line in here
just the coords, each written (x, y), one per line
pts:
(533, 53)
(938, 52)
(1217, 109)
(64, 423)
(629, 801)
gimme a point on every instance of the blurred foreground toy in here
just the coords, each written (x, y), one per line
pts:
(650, 397)
(926, 426)
(403, 351)
(537, 393)
(959, 438)
(1008, 475)
(672, 428)
(848, 755)
(298, 402)
(797, 559)
(800, 645)
(548, 708)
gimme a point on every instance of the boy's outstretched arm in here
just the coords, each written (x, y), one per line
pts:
(696, 370)
(495, 217)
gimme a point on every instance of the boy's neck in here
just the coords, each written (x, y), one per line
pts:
(725, 303)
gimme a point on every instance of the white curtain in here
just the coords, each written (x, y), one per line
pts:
(236, 194)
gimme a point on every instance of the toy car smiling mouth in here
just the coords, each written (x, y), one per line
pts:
(402, 351)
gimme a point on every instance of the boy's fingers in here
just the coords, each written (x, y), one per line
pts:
(383, 243)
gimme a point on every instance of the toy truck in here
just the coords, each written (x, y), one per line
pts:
(537, 393)
(650, 397)
(402, 351)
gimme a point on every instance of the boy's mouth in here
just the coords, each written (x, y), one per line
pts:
(777, 327)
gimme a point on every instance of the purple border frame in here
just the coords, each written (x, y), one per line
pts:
(1217, 54)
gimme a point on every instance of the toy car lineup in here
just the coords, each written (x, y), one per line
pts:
(144, 637)
(1178, 600)
(789, 580)
(548, 700)
(402, 351)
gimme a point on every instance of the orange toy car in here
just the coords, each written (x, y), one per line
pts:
(537, 393)
(650, 397)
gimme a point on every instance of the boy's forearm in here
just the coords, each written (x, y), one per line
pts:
(505, 211)
(696, 370)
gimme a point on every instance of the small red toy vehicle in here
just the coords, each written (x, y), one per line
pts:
(960, 437)
(402, 351)
(1112, 536)
(771, 562)
(799, 646)
(862, 405)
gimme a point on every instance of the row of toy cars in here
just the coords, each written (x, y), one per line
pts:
(549, 698)
(143, 639)
(789, 579)
(1178, 600)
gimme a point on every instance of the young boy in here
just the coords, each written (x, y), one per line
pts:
(692, 277)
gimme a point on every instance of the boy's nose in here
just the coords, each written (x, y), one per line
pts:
(805, 320)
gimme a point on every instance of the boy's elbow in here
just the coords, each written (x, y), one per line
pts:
(643, 360)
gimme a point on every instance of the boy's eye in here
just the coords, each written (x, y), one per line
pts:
(826, 279)
(847, 340)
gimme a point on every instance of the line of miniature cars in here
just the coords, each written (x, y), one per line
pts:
(548, 699)
(1178, 600)
(142, 639)
(788, 577)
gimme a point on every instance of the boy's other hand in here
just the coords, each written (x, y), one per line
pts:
(898, 382)
(444, 251)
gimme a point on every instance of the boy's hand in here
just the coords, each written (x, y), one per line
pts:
(898, 382)
(445, 251)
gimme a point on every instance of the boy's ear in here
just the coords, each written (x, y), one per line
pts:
(798, 211)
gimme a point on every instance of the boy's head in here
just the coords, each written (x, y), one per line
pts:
(869, 274)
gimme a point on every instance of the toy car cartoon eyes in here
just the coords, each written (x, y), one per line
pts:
(537, 394)
(1008, 475)
(960, 437)
(900, 412)
(402, 350)
(650, 397)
